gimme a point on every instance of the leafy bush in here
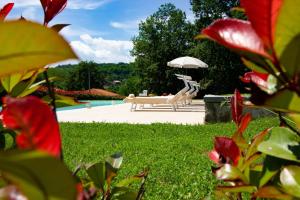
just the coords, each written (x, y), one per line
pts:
(268, 165)
(30, 141)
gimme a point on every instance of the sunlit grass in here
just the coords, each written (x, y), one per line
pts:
(176, 155)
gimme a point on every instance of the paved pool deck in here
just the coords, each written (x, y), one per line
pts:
(188, 115)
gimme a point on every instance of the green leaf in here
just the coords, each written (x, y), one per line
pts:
(254, 67)
(283, 143)
(11, 81)
(285, 100)
(123, 193)
(96, 173)
(290, 180)
(287, 36)
(272, 165)
(128, 181)
(38, 175)
(236, 189)
(27, 46)
(230, 173)
(255, 142)
(22, 86)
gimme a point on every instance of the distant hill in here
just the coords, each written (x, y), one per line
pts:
(112, 72)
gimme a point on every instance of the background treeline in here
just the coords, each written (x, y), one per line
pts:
(163, 36)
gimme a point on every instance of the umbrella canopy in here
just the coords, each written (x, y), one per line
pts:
(187, 62)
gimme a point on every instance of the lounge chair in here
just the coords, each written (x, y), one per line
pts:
(157, 100)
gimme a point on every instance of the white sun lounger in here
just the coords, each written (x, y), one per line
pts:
(157, 100)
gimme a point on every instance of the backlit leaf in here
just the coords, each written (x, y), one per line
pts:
(38, 175)
(287, 36)
(36, 123)
(237, 35)
(263, 15)
(27, 45)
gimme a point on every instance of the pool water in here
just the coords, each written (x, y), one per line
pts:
(94, 103)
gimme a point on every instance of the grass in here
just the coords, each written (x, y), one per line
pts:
(176, 154)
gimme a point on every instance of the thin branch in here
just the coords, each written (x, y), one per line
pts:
(51, 93)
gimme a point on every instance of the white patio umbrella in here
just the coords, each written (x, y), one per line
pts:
(187, 62)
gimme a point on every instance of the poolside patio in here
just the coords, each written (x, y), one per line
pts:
(190, 115)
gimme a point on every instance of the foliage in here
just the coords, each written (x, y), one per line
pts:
(266, 168)
(225, 67)
(178, 163)
(85, 76)
(101, 176)
(164, 36)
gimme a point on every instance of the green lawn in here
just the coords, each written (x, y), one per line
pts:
(176, 155)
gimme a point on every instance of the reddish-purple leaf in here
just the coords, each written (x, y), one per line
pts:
(263, 16)
(236, 107)
(36, 123)
(5, 10)
(227, 149)
(237, 35)
(52, 8)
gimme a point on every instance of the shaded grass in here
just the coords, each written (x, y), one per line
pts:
(176, 154)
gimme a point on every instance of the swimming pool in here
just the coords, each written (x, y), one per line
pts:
(93, 103)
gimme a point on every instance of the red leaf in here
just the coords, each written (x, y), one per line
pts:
(5, 10)
(260, 79)
(263, 16)
(52, 8)
(36, 123)
(227, 149)
(244, 123)
(236, 107)
(237, 35)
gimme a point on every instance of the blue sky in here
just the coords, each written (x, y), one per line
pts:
(101, 30)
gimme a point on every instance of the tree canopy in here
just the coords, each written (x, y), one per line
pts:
(164, 35)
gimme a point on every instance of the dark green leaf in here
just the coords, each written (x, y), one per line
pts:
(272, 165)
(59, 27)
(96, 173)
(283, 143)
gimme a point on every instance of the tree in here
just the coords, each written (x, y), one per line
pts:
(86, 76)
(164, 36)
(206, 11)
(225, 67)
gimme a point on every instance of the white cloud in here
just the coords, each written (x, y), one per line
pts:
(72, 4)
(101, 50)
(125, 25)
(75, 31)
